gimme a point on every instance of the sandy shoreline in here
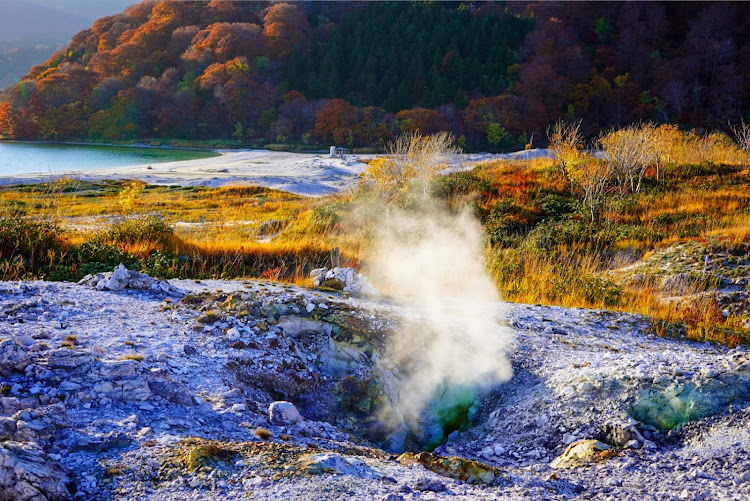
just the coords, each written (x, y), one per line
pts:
(298, 173)
(303, 174)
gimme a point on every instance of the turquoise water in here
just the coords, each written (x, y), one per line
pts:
(38, 158)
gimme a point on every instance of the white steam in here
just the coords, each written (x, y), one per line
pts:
(433, 260)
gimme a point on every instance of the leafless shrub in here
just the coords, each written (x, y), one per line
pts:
(630, 151)
(741, 133)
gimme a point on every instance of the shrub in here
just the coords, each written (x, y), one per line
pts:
(691, 171)
(555, 206)
(96, 251)
(209, 317)
(142, 230)
(683, 224)
(324, 217)
(31, 243)
(550, 234)
(459, 183)
(596, 290)
(163, 264)
(507, 219)
(132, 356)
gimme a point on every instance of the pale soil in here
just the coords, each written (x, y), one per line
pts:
(298, 173)
(574, 370)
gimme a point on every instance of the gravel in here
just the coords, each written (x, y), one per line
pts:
(131, 397)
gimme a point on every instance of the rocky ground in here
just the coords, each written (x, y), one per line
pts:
(163, 392)
(694, 270)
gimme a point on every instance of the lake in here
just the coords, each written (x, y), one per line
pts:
(41, 158)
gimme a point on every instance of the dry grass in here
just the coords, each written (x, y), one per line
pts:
(705, 203)
(132, 356)
(542, 250)
(263, 434)
(220, 229)
(174, 203)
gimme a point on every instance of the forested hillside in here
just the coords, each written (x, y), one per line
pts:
(32, 30)
(359, 74)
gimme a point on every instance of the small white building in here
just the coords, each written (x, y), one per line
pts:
(338, 152)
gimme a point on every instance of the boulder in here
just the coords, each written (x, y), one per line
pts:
(122, 278)
(284, 413)
(11, 405)
(295, 326)
(13, 357)
(128, 390)
(465, 470)
(327, 462)
(119, 279)
(429, 485)
(317, 272)
(70, 359)
(581, 453)
(173, 391)
(621, 434)
(98, 443)
(343, 279)
(28, 474)
(117, 369)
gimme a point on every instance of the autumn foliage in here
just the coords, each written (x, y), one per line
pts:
(362, 73)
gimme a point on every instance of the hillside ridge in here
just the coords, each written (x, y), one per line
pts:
(495, 75)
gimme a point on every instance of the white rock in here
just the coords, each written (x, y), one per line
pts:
(13, 357)
(633, 444)
(119, 278)
(26, 473)
(282, 413)
(310, 307)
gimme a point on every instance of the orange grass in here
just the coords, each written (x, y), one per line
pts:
(221, 235)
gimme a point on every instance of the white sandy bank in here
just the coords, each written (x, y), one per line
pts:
(299, 173)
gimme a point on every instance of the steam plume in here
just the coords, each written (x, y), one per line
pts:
(433, 260)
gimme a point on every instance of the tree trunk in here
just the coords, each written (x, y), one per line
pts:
(335, 258)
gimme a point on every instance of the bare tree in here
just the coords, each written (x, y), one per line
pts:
(674, 94)
(593, 178)
(412, 157)
(630, 151)
(565, 139)
(741, 133)
(422, 157)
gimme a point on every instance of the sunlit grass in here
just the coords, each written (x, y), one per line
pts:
(240, 231)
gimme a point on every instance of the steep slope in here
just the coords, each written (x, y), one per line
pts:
(31, 31)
